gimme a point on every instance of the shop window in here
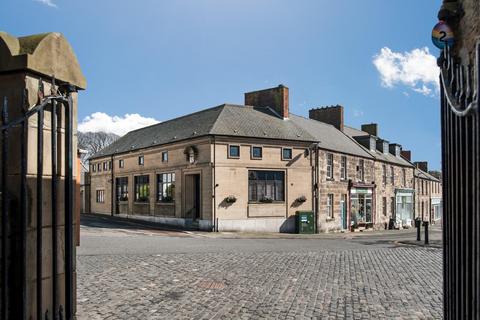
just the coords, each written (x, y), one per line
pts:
(361, 207)
(100, 196)
(257, 152)
(287, 154)
(142, 188)
(234, 151)
(343, 168)
(122, 188)
(166, 187)
(329, 166)
(266, 186)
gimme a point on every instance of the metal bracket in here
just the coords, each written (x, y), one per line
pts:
(456, 81)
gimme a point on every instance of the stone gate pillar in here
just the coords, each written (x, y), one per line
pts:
(32, 282)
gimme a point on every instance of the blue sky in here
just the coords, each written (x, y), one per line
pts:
(163, 59)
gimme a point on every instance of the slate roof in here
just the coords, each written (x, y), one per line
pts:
(223, 120)
(352, 132)
(424, 175)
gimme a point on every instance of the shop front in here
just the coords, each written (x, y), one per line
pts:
(361, 207)
(403, 214)
(436, 209)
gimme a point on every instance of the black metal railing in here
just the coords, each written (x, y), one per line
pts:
(14, 304)
(460, 91)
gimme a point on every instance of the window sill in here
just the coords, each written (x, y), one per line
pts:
(330, 179)
(330, 219)
(161, 203)
(141, 202)
(273, 202)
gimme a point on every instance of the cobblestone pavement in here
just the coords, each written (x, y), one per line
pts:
(357, 281)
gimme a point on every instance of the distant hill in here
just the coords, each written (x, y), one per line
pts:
(93, 142)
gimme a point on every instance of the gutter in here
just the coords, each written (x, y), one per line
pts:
(215, 223)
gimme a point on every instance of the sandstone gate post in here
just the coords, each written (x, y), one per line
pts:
(39, 80)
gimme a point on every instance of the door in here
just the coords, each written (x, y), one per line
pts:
(192, 196)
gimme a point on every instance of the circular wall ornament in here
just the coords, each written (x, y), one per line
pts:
(442, 34)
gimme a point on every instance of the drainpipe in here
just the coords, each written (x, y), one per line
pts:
(215, 225)
(112, 187)
(315, 148)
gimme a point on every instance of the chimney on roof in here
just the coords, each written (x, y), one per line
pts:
(332, 115)
(395, 149)
(422, 165)
(406, 154)
(275, 98)
(371, 129)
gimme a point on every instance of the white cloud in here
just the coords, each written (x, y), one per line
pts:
(100, 121)
(357, 113)
(47, 3)
(416, 69)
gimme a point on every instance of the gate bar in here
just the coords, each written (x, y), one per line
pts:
(54, 206)
(4, 207)
(39, 211)
(68, 210)
(23, 218)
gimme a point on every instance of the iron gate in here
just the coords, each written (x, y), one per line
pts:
(14, 206)
(460, 94)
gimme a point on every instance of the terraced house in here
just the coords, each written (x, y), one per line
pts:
(252, 167)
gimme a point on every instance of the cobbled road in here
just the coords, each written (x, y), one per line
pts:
(129, 272)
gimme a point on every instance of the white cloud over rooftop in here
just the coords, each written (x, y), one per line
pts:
(120, 125)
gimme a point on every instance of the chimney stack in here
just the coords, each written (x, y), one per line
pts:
(422, 165)
(406, 154)
(332, 115)
(275, 98)
(371, 129)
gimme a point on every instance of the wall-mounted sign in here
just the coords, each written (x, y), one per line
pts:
(442, 34)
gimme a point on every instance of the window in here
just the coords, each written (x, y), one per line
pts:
(384, 206)
(384, 167)
(110, 165)
(329, 166)
(142, 188)
(257, 152)
(121, 163)
(266, 186)
(404, 177)
(392, 206)
(233, 151)
(392, 175)
(94, 168)
(165, 156)
(330, 205)
(287, 154)
(360, 170)
(122, 188)
(100, 196)
(141, 160)
(166, 187)
(105, 166)
(343, 168)
(99, 167)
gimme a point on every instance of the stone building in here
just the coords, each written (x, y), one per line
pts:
(252, 167)
(428, 194)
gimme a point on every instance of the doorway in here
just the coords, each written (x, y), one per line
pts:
(343, 212)
(192, 197)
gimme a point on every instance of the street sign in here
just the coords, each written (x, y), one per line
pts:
(442, 34)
